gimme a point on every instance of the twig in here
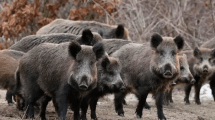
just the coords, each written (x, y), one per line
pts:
(211, 6)
(105, 11)
(25, 113)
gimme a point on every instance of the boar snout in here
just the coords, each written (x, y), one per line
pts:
(83, 85)
(205, 69)
(168, 71)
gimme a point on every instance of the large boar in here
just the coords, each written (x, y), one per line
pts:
(27, 43)
(9, 60)
(109, 81)
(76, 27)
(202, 67)
(148, 69)
(64, 72)
(185, 77)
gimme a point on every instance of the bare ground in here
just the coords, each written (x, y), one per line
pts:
(105, 109)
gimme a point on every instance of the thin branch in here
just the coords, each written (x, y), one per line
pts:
(105, 11)
(212, 14)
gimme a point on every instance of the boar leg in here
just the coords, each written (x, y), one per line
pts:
(197, 94)
(84, 107)
(147, 106)
(118, 100)
(31, 99)
(187, 94)
(93, 103)
(170, 96)
(159, 104)
(44, 102)
(212, 85)
(75, 101)
(142, 95)
(61, 104)
(9, 95)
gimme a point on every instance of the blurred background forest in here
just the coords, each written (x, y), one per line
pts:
(192, 19)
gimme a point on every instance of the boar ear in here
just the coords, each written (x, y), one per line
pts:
(87, 37)
(156, 40)
(179, 41)
(105, 62)
(99, 50)
(213, 53)
(74, 48)
(120, 31)
(196, 52)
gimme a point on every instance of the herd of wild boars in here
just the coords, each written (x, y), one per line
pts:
(74, 63)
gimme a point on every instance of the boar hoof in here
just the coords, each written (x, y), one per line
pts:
(10, 104)
(162, 118)
(187, 103)
(198, 102)
(138, 117)
(94, 118)
(147, 107)
(121, 114)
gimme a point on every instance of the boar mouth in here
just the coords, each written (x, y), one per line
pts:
(168, 74)
(83, 87)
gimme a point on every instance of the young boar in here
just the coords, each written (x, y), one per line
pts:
(27, 43)
(202, 67)
(109, 81)
(64, 72)
(76, 27)
(148, 69)
(9, 61)
(185, 78)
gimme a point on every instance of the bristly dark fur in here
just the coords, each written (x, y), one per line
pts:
(156, 40)
(87, 36)
(213, 53)
(120, 31)
(196, 52)
(99, 50)
(74, 48)
(179, 42)
(105, 62)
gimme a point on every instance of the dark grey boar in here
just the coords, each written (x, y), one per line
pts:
(112, 45)
(9, 61)
(202, 67)
(27, 43)
(148, 69)
(76, 27)
(64, 72)
(109, 81)
(185, 78)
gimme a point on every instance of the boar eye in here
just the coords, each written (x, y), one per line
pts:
(161, 53)
(173, 53)
(181, 68)
(201, 59)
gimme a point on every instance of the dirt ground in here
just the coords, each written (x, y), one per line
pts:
(105, 109)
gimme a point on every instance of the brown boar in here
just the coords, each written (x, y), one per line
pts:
(9, 61)
(211, 45)
(185, 77)
(202, 67)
